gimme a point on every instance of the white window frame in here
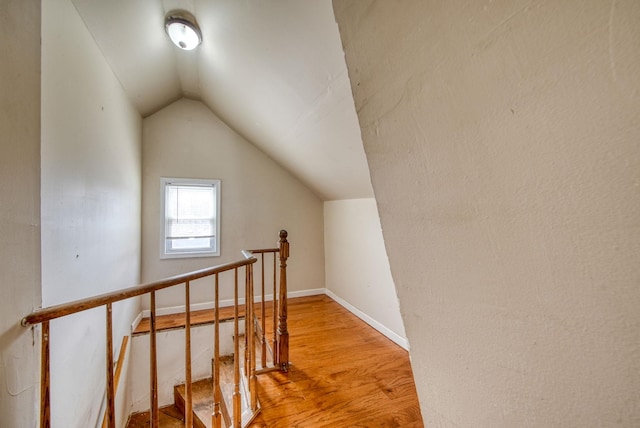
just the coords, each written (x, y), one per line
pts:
(194, 182)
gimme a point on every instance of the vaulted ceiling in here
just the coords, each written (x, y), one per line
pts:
(273, 70)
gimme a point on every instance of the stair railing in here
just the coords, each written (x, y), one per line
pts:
(279, 347)
(45, 315)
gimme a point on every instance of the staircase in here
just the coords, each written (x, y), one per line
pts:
(202, 403)
(202, 390)
(203, 406)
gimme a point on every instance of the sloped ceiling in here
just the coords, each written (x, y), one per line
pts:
(273, 70)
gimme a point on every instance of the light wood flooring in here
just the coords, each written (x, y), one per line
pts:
(343, 374)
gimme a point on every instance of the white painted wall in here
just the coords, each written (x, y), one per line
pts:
(357, 268)
(19, 209)
(258, 199)
(502, 139)
(91, 147)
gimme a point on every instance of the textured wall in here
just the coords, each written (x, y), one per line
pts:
(91, 147)
(503, 143)
(19, 208)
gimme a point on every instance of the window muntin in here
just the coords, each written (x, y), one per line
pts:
(190, 218)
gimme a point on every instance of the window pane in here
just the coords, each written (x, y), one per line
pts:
(190, 228)
(190, 217)
(190, 202)
(182, 244)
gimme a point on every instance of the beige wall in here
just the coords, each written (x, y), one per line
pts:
(258, 199)
(19, 208)
(91, 147)
(357, 268)
(502, 139)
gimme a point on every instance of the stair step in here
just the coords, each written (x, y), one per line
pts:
(202, 398)
(169, 417)
(202, 391)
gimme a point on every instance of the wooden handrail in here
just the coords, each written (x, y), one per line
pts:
(281, 339)
(46, 314)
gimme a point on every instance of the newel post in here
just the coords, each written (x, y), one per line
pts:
(283, 333)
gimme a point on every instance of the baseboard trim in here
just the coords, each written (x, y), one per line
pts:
(305, 293)
(136, 321)
(399, 340)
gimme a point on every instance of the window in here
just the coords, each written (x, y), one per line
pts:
(190, 218)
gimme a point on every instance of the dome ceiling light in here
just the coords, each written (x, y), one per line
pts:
(182, 29)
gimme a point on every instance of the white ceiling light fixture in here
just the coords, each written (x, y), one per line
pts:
(182, 29)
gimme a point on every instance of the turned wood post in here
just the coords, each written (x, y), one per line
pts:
(283, 333)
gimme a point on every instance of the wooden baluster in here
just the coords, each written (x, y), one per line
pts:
(45, 403)
(118, 372)
(248, 318)
(188, 405)
(248, 322)
(283, 333)
(263, 321)
(274, 309)
(153, 363)
(216, 417)
(236, 355)
(110, 414)
(253, 392)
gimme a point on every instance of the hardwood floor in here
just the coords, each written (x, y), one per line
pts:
(343, 374)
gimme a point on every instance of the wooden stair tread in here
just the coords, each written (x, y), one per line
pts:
(202, 397)
(202, 402)
(169, 417)
(176, 321)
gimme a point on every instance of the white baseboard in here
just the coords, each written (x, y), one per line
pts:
(401, 341)
(305, 293)
(136, 321)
